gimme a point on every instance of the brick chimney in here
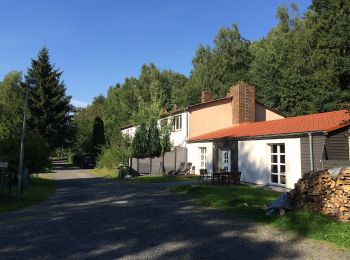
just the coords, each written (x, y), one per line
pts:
(243, 103)
(206, 96)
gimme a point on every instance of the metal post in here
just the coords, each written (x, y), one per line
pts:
(21, 155)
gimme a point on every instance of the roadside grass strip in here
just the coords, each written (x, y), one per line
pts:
(165, 178)
(39, 190)
(104, 173)
(246, 201)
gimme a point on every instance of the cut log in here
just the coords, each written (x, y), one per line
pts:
(318, 191)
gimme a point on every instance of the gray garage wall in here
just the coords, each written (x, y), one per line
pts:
(337, 149)
(153, 165)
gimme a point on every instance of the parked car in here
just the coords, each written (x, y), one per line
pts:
(87, 162)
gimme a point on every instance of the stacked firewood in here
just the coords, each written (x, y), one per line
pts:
(318, 191)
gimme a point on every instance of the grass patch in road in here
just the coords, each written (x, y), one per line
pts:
(104, 173)
(165, 178)
(39, 190)
(234, 199)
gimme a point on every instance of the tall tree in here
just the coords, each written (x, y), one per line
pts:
(165, 141)
(48, 103)
(154, 146)
(98, 135)
(219, 68)
(11, 105)
(36, 156)
(139, 143)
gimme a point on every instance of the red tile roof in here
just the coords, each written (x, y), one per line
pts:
(322, 122)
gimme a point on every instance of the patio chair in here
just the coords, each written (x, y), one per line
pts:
(187, 169)
(181, 168)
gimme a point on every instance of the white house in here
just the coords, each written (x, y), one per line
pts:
(179, 132)
(276, 152)
(237, 133)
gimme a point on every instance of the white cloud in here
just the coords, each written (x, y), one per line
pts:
(78, 103)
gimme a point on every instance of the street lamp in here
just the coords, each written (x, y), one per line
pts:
(29, 84)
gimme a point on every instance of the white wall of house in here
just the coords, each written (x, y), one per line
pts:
(178, 136)
(130, 131)
(254, 160)
(193, 155)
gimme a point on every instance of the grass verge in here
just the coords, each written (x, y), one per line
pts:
(104, 173)
(246, 201)
(166, 178)
(39, 190)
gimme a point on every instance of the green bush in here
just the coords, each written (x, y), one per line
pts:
(36, 153)
(111, 157)
(61, 153)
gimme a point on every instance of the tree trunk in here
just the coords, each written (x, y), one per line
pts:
(163, 166)
(150, 166)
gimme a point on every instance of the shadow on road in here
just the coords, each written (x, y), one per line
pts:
(96, 217)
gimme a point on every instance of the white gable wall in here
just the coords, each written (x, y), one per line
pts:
(130, 131)
(254, 160)
(178, 137)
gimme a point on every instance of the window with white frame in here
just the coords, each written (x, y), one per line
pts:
(203, 157)
(278, 164)
(177, 124)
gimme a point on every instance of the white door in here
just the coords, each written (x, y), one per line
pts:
(203, 157)
(226, 160)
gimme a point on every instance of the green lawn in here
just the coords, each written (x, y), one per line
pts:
(246, 201)
(166, 178)
(39, 191)
(104, 173)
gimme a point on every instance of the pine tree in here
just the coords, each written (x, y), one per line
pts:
(165, 142)
(139, 144)
(98, 135)
(48, 103)
(154, 147)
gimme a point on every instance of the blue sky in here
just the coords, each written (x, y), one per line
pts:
(98, 43)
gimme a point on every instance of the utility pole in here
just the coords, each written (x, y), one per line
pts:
(30, 83)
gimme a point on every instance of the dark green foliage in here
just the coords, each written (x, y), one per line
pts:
(302, 66)
(118, 152)
(165, 142)
(48, 103)
(84, 119)
(154, 147)
(11, 105)
(98, 135)
(218, 69)
(36, 154)
(139, 146)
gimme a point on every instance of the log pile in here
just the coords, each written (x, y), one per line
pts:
(318, 191)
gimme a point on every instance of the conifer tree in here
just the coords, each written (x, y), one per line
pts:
(48, 103)
(154, 147)
(98, 135)
(139, 144)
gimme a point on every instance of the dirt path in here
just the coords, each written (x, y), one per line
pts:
(90, 217)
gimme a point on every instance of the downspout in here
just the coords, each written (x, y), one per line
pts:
(187, 125)
(311, 152)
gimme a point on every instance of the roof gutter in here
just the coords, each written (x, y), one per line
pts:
(258, 137)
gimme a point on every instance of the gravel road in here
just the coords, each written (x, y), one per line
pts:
(89, 217)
